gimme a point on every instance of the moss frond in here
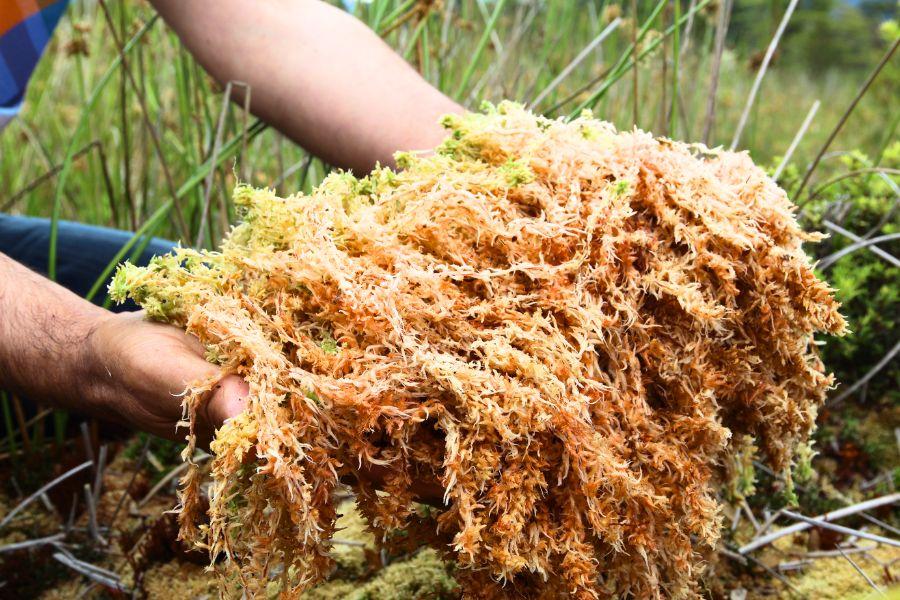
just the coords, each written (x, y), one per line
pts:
(567, 326)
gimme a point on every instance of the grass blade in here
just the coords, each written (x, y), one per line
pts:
(885, 360)
(676, 72)
(770, 52)
(840, 513)
(796, 141)
(217, 142)
(841, 529)
(71, 149)
(635, 88)
(840, 124)
(855, 238)
(863, 243)
(145, 115)
(623, 64)
(721, 31)
(576, 61)
(8, 423)
(479, 49)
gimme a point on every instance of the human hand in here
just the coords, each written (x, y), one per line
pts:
(136, 372)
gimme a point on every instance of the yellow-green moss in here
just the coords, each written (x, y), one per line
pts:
(421, 576)
(834, 578)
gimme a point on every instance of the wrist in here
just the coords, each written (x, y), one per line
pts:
(87, 367)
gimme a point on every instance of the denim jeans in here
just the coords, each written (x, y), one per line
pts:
(82, 251)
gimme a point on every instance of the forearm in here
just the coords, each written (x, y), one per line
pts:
(316, 73)
(44, 330)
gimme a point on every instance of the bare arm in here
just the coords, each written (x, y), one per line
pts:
(43, 327)
(316, 73)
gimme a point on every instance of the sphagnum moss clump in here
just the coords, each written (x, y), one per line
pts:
(569, 327)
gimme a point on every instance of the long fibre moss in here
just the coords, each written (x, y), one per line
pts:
(570, 328)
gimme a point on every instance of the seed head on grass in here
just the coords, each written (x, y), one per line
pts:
(569, 327)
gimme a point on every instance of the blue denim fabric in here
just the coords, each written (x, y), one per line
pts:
(83, 251)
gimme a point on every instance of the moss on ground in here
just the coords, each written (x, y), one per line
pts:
(834, 578)
(423, 575)
(359, 577)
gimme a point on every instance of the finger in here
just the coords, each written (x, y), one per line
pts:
(228, 399)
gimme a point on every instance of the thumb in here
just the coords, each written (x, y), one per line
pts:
(228, 399)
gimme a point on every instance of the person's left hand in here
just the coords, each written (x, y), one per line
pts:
(136, 371)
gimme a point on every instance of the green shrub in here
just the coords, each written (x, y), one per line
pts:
(865, 204)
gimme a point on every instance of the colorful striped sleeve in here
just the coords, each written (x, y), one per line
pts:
(25, 29)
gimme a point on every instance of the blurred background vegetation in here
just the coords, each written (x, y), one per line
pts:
(826, 51)
(85, 148)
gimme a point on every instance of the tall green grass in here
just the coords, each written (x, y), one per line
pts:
(76, 100)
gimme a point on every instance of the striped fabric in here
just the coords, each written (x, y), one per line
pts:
(25, 29)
